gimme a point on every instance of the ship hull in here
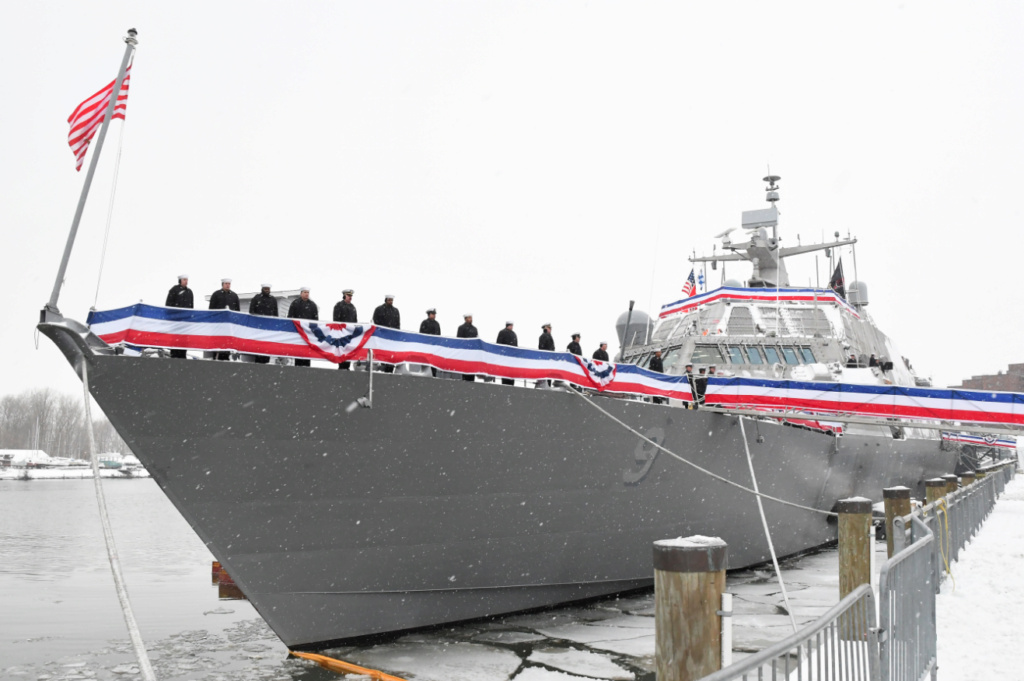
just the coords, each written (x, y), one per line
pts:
(449, 500)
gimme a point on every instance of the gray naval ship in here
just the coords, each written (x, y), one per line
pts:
(451, 500)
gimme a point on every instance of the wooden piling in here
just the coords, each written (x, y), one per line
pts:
(952, 483)
(897, 505)
(689, 578)
(934, 489)
(854, 544)
(967, 478)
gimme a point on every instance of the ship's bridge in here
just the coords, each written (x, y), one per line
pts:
(796, 333)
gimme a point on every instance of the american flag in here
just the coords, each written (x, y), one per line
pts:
(88, 117)
(690, 287)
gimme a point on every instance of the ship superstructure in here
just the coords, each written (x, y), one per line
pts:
(764, 328)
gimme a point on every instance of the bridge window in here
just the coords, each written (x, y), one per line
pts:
(773, 355)
(754, 355)
(790, 355)
(706, 354)
(735, 357)
(807, 355)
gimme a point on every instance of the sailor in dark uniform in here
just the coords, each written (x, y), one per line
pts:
(430, 327)
(602, 352)
(700, 386)
(657, 365)
(224, 299)
(508, 337)
(345, 311)
(303, 308)
(180, 296)
(263, 305)
(467, 330)
(688, 372)
(574, 346)
(387, 315)
(546, 342)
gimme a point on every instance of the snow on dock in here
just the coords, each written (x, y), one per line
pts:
(980, 612)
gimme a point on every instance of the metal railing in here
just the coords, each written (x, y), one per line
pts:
(839, 645)
(906, 598)
(845, 644)
(925, 543)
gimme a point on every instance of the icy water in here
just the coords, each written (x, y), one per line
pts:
(60, 619)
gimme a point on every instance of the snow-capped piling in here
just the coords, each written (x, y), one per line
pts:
(897, 505)
(854, 544)
(934, 489)
(689, 578)
(967, 478)
(952, 483)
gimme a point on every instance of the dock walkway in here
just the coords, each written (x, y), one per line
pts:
(980, 612)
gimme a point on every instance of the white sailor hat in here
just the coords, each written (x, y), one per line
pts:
(182, 276)
(509, 323)
(225, 281)
(264, 285)
(546, 326)
(303, 288)
(603, 343)
(467, 315)
(576, 335)
(348, 292)
(389, 296)
(432, 311)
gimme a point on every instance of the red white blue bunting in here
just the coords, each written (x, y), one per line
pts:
(225, 330)
(757, 295)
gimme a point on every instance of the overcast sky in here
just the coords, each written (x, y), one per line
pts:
(539, 161)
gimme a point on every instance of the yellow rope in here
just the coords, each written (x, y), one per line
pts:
(344, 667)
(944, 523)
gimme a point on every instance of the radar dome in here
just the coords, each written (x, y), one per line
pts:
(640, 328)
(857, 294)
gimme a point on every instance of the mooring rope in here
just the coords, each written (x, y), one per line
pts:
(108, 535)
(703, 470)
(767, 532)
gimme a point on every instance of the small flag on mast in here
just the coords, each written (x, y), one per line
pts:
(690, 287)
(87, 118)
(837, 283)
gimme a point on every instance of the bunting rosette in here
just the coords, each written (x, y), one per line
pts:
(334, 342)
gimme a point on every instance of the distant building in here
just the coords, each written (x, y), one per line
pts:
(1011, 380)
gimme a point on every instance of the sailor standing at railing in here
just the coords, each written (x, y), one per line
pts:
(574, 347)
(602, 352)
(180, 296)
(387, 315)
(345, 312)
(303, 308)
(467, 330)
(263, 305)
(431, 327)
(508, 337)
(224, 299)
(546, 342)
(658, 366)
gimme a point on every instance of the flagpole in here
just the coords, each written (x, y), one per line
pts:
(51, 312)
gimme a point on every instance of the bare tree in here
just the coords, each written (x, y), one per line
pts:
(54, 422)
